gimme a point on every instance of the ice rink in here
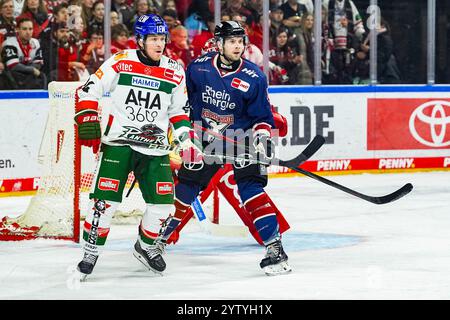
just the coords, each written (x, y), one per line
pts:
(339, 246)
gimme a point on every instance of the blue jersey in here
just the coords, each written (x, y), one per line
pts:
(235, 100)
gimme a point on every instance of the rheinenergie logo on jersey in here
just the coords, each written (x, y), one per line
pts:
(145, 83)
(217, 98)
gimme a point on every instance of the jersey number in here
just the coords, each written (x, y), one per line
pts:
(149, 116)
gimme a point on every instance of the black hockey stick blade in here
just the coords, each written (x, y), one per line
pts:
(403, 191)
(309, 151)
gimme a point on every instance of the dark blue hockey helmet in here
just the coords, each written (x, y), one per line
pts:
(229, 29)
(150, 24)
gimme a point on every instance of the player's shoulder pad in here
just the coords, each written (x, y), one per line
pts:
(206, 57)
(172, 64)
(252, 71)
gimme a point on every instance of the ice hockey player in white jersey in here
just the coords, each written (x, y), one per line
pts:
(227, 93)
(148, 91)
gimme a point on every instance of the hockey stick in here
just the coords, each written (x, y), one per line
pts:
(403, 191)
(216, 229)
(307, 153)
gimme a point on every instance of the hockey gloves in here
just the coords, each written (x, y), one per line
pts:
(191, 147)
(264, 146)
(89, 131)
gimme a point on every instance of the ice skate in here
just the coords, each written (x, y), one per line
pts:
(275, 261)
(86, 265)
(151, 256)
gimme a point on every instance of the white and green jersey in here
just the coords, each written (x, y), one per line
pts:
(145, 100)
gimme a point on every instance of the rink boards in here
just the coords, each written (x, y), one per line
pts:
(366, 128)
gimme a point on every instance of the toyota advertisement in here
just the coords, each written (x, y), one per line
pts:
(399, 124)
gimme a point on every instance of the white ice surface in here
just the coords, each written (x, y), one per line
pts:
(340, 247)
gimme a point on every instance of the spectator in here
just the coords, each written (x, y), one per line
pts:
(60, 14)
(69, 68)
(140, 7)
(120, 39)
(285, 55)
(7, 22)
(36, 11)
(124, 11)
(276, 20)
(327, 47)
(168, 5)
(309, 5)
(86, 12)
(171, 18)
(93, 53)
(157, 5)
(179, 45)
(306, 49)
(114, 18)
(256, 9)
(199, 40)
(292, 14)
(4, 83)
(197, 21)
(254, 32)
(346, 29)
(233, 7)
(23, 57)
(387, 68)
(182, 7)
(52, 4)
(98, 15)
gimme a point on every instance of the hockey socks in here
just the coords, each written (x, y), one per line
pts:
(97, 224)
(153, 224)
(264, 217)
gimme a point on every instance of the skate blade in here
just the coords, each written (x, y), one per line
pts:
(144, 262)
(75, 278)
(278, 269)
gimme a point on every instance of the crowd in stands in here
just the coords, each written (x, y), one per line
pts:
(47, 40)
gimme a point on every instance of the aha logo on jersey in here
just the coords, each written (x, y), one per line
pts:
(240, 84)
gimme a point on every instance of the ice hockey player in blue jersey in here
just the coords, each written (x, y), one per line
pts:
(227, 94)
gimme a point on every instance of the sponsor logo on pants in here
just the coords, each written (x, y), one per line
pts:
(106, 184)
(163, 188)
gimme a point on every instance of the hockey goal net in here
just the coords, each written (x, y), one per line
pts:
(68, 169)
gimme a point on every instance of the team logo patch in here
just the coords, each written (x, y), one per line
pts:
(148, 70)
(163, 188)
(169, 73)
(240, 84)
(99, 73)
(106, 184)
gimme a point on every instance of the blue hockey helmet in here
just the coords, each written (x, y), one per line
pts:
(150, 24)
